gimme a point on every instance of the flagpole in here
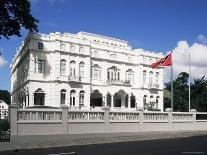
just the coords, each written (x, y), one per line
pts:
(189, 87)
(171, 80)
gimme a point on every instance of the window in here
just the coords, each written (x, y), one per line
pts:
(62, 67)
(151, 98)
(96, 72)
(63, 47)
(151, 78)
(82, 50)
(40, 46)
(81, 69)
(157, 78)
(157, 101)
(81, 97)
(62, 96)
(72, 97)
(145, 101)
(95, 53)
(130, 75)
(72, 68)
(39, 66)
(39, 97)
(72, 48)
(113, 56)
(113, 74)
(144, 76)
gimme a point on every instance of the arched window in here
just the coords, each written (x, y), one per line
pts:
(130, 75)
(62, 96)
(39, 97)
(81, 69)
(151, 98)
(144, 76)
(72, 68)
(96, 54)
(113, 74)
(72, 48)
(157, 78)
(63, 47)
(62, 67)
(96, 72)
(151, 79)
(72, 97)
(81, 97)
(157, 102)
(82, 50)
(145, 101)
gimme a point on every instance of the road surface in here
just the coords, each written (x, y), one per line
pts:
(176, 146)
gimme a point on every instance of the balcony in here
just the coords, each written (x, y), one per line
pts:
(118, 82)
(74, 78)
(154, 86)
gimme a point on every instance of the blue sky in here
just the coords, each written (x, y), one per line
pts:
(156, 25)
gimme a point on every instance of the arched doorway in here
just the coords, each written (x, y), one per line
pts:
(120, 99)
(96, 99)
(133, 101)
(108, 98)
(39, 97)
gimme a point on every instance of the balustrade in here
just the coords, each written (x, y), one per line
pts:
(39, 115)
(123, 116)
(85, 115)
(155, 116)
(182, 117)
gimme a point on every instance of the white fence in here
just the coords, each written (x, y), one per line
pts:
(64, 121)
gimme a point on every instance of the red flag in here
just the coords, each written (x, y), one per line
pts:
(162, 62)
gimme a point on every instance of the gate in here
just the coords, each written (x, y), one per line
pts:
(4, 126)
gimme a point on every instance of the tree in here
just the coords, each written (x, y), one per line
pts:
(15, 14)
(180, 93)
(5, 96)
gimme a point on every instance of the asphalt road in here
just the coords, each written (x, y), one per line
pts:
(176, 146)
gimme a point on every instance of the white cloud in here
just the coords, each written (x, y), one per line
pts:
(3, 62)
(202, 38)
(198, 54)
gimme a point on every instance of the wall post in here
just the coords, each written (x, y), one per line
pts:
(64, 118)
(170, 121)
(141, 118)
(13, 119)
(194, 120)
(106, 119)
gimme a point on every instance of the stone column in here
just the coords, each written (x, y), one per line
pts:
(64, 118)
(77, 100)
(123, 102)
(27, 102)
(129, 102)
(13, 119)
(112, 101)
(104, 101)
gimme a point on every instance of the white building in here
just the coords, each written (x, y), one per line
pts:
(85, 71)
(4, 110)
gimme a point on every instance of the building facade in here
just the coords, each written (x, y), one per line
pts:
(85, 71)
(4, 110)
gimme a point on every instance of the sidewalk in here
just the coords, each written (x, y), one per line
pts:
(31, 142)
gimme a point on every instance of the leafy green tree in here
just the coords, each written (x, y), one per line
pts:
(15, 14)
(5, 96)
(180, 93)
(199, 94)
